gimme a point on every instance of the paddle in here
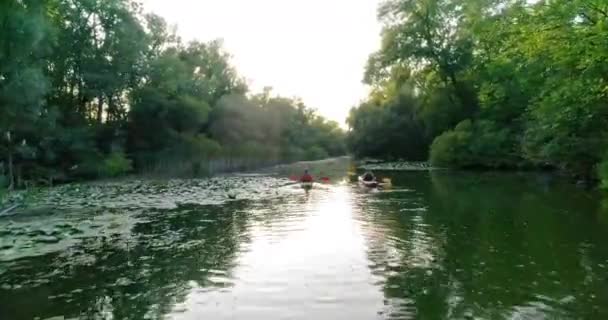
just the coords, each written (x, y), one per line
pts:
(296, 178)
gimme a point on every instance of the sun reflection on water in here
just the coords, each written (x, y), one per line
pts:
(308, 264)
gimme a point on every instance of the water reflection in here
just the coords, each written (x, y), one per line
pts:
(403, 253)
(316, 269)
(435, 246)
(135, 277)
(487, 246)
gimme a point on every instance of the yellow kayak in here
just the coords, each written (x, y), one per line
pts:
(368, 184)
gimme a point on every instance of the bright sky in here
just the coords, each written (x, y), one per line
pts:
(313, 49)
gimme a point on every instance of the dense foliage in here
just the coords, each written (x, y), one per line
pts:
(490, 83)
(92, 88)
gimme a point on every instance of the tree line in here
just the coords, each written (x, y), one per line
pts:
(489, 84)
(98, 88)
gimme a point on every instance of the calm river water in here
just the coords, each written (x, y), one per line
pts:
(437, 245)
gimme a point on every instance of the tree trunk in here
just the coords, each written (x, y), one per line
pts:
(18, 177)
(11, 176)
(82, 101)
(100, 109)
(111, 109)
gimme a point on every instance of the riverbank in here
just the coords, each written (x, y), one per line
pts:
(220, 178)
(370, 164)
(587, 183)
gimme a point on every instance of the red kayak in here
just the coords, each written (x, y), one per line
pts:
(306, 185)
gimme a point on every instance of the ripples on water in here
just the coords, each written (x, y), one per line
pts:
(434, 246)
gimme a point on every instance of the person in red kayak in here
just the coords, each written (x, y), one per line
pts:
(306, 177)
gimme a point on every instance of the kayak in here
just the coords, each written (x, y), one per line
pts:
(306, 185)
(368, 184)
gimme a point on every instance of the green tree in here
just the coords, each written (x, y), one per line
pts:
(93, 88)
(24, 29)
(498, 83)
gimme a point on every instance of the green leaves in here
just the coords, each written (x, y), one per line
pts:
(285, 125)
(116, 164)
(529, 77)
(97, 87)
(602, 172)
(389, 125)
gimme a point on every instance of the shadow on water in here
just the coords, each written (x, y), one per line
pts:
(494, 246)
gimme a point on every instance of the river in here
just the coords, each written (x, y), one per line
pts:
(437, 245)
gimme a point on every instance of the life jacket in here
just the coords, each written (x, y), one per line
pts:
(306, 178)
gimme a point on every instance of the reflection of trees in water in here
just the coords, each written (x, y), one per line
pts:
(502, 247)
(513, 245)
(403, 251)
(166, 254)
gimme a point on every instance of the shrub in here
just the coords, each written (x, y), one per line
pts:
(293, 154)
(451, 148)
(602, 172)
(316, 153)
(115, 164)
(89, 166)
(3, 182)
(476, 144)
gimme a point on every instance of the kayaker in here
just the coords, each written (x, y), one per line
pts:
(306, 177)
(368, 177)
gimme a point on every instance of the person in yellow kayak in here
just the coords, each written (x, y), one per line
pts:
(369, 177)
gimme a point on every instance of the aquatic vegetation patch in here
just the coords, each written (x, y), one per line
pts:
(58, 218)
(397, 166)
